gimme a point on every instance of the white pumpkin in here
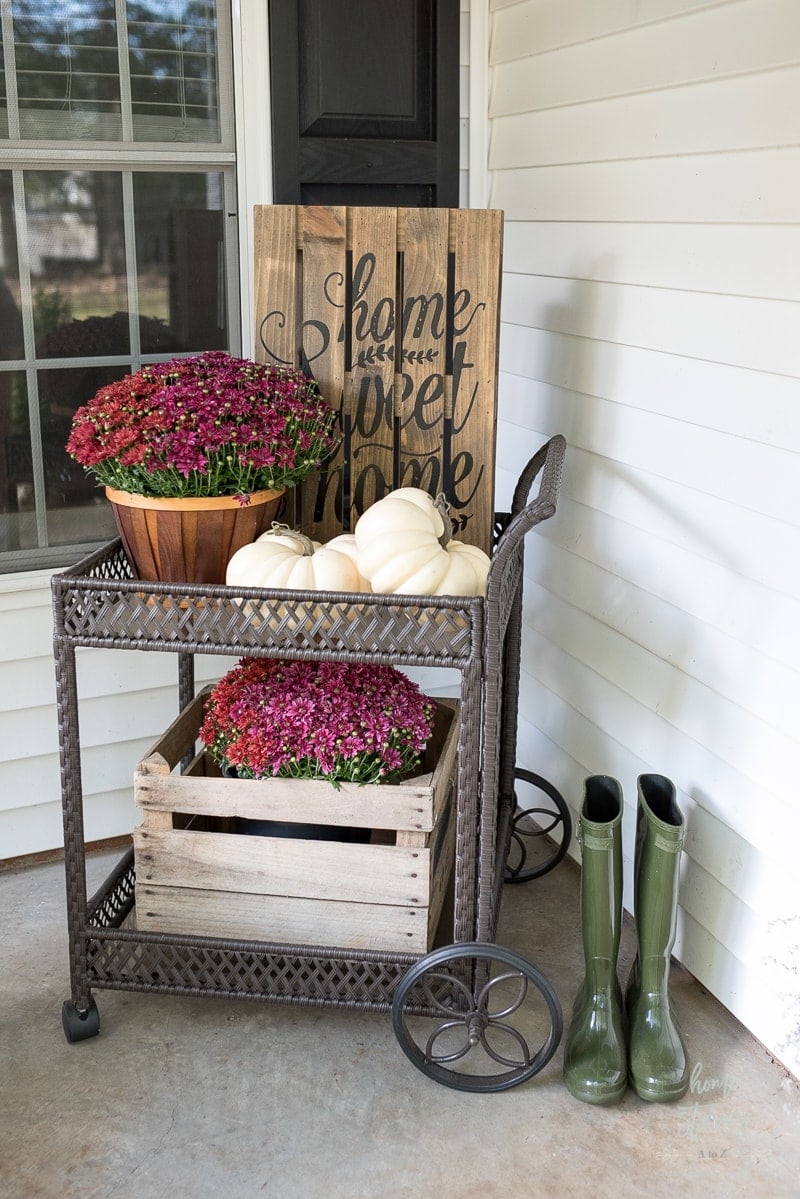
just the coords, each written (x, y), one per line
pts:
(287, 560)
(345, 543)
(404, 547)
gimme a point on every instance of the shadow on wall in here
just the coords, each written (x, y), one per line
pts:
(594, 573)
(649, 678)
(637, 635)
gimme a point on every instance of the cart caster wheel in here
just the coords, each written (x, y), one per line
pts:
(79, 1026)
(532, 851)
(451, 1014)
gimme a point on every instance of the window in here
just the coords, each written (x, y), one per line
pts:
(117, 232)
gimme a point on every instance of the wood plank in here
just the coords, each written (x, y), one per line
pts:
(443, 852)
(281, 919)
(477, 241)
(423, 366)
(276, 799)
(277, 334)
(369, 408)
(409, 840)
(443, 748)
(260, 865)
(173, 744)
(322, 234)
(412, 804)
(355, 325)
(154, 819)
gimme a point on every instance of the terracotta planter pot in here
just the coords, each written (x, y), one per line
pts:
(189, 540)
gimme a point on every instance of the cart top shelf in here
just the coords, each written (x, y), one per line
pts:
(99, 603)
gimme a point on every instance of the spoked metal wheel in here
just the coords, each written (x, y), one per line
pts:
(540, 834)
(477, 1017)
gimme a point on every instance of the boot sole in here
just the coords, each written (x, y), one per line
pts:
(598, 1098)
(660, 1094)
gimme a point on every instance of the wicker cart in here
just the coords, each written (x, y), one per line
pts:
(466, 997)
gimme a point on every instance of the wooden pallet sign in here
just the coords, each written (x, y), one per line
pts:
(396, 313)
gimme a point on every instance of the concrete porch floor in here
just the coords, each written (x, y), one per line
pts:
(193, 1097)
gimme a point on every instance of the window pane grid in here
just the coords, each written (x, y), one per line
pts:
(69, 72)
(115, 248)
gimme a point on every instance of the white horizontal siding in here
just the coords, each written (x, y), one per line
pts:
(739, 331)
(722, 114)
(127, 699)
(630, 59)
(648, 160)
(745, 186)
(715, 461)
(732, 260)
(535, 26)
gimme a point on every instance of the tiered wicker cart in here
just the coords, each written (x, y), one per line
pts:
(447, 1004)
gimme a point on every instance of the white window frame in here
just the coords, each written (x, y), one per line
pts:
(125, 158)
(252, 105)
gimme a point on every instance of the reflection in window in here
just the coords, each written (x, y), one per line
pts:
(66, 65)
(15, 435)
(16, 464)
(179, 257)
(173, 55)
(69, 85)
(105, 260)
(76, 242)
(68, 488)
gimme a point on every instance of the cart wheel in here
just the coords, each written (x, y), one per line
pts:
(472, 991)
(79, 1025)
(544, 833)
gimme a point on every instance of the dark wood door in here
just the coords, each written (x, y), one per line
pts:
(365, 101)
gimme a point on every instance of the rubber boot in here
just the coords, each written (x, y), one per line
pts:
(595, 1061)
(658, 1063)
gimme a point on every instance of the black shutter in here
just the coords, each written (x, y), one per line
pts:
(365, 101)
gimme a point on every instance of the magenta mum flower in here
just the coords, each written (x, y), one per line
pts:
(204, 425)
(334, 720)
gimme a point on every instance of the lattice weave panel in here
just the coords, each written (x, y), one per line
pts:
(114, 610)
(118, 962)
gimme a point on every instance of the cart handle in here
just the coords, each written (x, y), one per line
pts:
(547, 462)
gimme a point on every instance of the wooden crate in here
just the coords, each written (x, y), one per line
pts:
(208, 880)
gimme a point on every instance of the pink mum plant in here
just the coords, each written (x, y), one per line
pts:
(317, 720)
(207, 425)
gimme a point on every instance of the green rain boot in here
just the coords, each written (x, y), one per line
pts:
(658, 1064)
(595, 1062)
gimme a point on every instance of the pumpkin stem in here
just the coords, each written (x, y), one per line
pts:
(443, 508)
(281, 530)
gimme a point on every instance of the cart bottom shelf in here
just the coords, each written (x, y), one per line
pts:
(119, 956)
(470, 990)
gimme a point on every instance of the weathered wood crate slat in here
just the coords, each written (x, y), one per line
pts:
(208, 880)
(396, 311)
